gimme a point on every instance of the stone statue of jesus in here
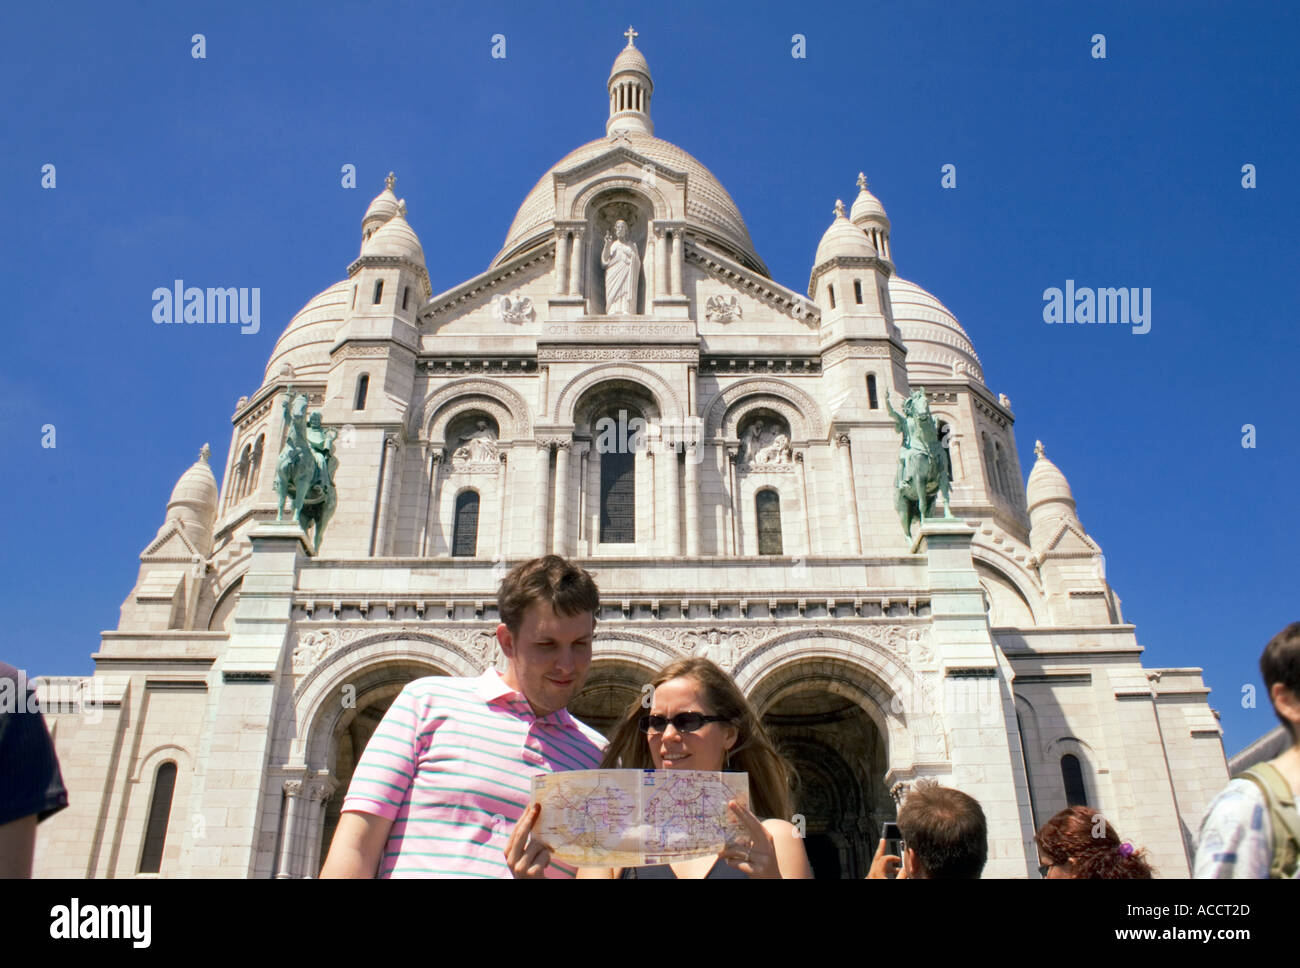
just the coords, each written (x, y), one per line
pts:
(622, 264)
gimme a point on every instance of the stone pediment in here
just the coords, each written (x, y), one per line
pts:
(1070, 541)
(171, 545)
(495, 298)
(617, 156)
(752, 292)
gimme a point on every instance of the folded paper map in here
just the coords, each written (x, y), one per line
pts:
(631, 818)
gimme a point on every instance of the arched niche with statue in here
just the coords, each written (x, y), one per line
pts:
(473, 438)
(619, 258)
(764, 442)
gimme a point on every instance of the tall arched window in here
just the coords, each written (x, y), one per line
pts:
(363, 384)
(767, 503)
(857, 291)
(990, 465)
(945, 441)
(1072, 773)
(255, 463)
(406, 294)
(872, 400)
(1004, 474)
(830, 289)
(160, 808)
(464, 539)
(618, 496)
(241, 473)
(379, 290)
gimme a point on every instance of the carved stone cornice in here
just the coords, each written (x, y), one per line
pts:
(393, 262)
(680, 354)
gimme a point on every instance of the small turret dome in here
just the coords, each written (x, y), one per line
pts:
(193, 504)
(867, 207)
(383, 208)
(396, 239)
(1047, 485)
(844, 239)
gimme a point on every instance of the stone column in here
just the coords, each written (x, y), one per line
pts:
(673, 499)
(575, 266)
(561, 262)
(661, 262)
(677, 262)
(733, 499)
(293, 798)
(693, 455)
(543, 485)
(502, 478)
(560, 539)
(319, 792)
(431, 504)
(391, 450)
(807, 508)
(850, 493)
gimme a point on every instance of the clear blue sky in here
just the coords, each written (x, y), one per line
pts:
(226, 171)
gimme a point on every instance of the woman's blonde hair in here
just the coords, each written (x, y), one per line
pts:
(753, 753)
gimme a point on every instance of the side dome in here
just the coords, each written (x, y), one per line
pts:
(710, 210)
(305, 343)
(937, 347)
(1048, 486)
(843, 238)
(193, 503)
(396, 239)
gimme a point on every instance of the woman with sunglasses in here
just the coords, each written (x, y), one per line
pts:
(699, 720)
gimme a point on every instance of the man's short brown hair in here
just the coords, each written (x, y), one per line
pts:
(1281, 663)
(947, 830)
(561, 584)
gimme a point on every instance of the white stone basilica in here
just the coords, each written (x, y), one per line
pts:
(626, 384)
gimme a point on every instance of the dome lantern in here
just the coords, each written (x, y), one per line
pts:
(630, 88)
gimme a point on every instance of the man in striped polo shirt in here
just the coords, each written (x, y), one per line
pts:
(446, 775)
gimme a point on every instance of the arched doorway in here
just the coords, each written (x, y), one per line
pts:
(364, 703)
(839, 759)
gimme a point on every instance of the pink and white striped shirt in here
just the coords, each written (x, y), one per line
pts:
(451, 765)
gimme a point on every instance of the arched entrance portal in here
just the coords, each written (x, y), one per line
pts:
(363, 710)
(839, 759)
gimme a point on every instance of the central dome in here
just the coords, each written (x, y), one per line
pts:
(709, 209)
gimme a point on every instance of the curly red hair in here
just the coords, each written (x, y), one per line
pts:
(1083, 837)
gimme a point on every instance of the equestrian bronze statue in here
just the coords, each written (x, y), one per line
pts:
(304, 472)
(923, 467)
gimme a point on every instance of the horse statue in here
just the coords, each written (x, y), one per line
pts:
(923, 466)
(305, 469)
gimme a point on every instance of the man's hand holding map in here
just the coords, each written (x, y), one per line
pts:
(634, 818)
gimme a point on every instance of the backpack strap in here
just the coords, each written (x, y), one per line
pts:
(1281, 802)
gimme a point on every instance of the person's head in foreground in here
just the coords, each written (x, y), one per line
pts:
(1080, 843)
(696, 719)
(945, 833)
(1280, 667)
(548, 619)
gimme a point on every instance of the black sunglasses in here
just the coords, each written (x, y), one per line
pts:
(682, 722)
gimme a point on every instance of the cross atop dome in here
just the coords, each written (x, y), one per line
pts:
(839, 208)
(862, 180)
(629, 34)
(390, 181)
